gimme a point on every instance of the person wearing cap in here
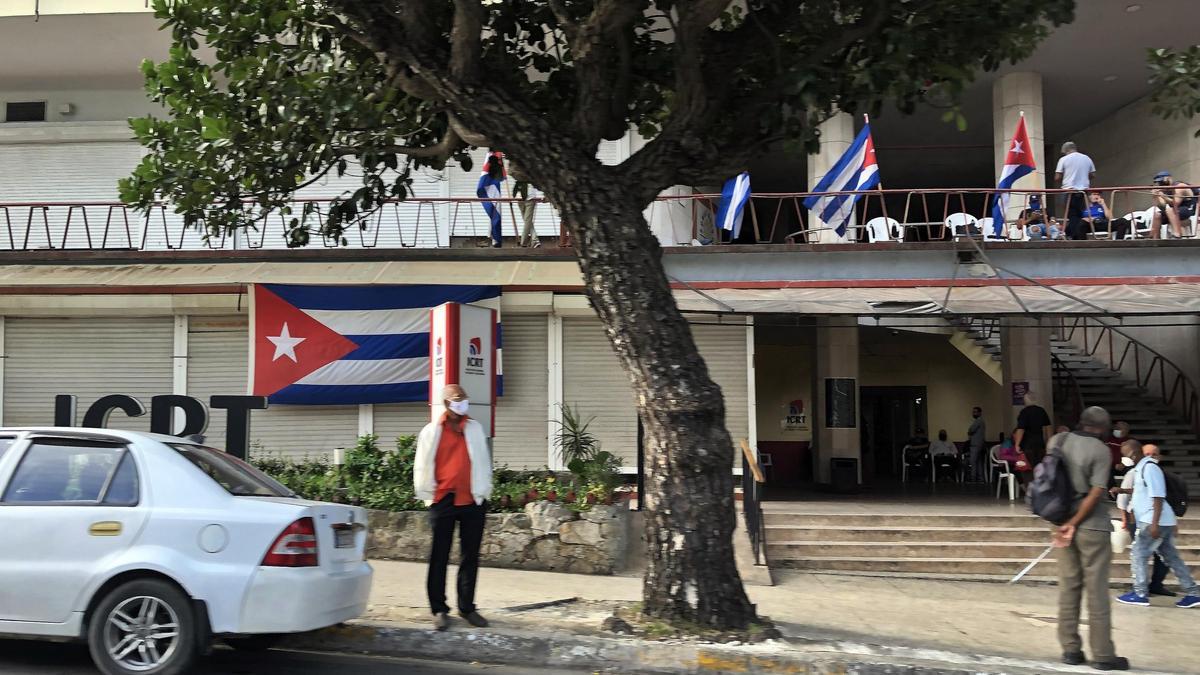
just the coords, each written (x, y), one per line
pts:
(452, 473)
(1174, 206)
(1083, 543)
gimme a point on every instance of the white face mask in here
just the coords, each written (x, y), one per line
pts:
(459, 407)
(1118, 433)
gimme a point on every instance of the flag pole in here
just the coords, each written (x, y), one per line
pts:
(879, 188)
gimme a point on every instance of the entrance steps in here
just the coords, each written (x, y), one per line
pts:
(986, 547)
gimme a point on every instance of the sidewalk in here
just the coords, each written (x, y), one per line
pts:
(907, 618)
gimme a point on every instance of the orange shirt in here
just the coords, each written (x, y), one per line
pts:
(452, 464)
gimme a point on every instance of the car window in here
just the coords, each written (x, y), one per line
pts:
(5, 444)
(63, 471)
(123, 489)
(237, 477)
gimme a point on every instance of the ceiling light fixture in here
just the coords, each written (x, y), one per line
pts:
(1110, 78)
(1132, 8)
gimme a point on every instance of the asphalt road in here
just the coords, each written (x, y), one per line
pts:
(44, 658)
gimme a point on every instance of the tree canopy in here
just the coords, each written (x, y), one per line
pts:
(265, 96)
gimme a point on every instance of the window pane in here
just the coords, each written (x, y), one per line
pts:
(237, 477)
(62, 471)
(5, 444)
(123, 491)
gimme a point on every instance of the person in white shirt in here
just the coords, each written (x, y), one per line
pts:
(944, 455)
(1157, 525)
(1074, 172)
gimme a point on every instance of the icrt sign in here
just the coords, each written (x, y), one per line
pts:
(462, 350)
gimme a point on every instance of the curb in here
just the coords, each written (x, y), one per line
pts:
(557, 649)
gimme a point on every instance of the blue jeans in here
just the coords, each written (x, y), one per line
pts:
(1145, 546)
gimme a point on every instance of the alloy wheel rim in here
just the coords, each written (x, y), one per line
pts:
(141, 633)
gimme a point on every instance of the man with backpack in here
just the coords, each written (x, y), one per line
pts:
(1069, 490)
(1155, 501)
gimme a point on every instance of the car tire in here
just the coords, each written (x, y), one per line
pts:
(143, 627)
(253, 643)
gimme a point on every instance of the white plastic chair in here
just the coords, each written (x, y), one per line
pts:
(883, 229)
(1005, 473)
(960, 224)
(1137, 224)
(985, 226)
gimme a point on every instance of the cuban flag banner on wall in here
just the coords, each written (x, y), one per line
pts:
(734, 196)
(855, 170)
(1018, 163)
(341, 345)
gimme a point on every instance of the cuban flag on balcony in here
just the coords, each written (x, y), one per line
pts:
(339, 345)
(734, 196)
(856, 170)
(1018, 163)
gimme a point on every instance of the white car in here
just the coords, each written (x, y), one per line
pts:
(150, 546)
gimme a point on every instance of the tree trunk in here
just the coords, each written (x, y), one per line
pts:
(690, 574)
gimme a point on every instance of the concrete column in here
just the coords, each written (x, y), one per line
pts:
(1025, 353)
(1013, 94)
(836, 356)
(837, 133)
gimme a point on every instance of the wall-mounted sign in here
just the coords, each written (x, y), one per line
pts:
(796, 418)
(162, 415)
(1019, 390)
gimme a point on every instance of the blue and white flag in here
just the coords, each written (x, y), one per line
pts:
(856, 170)
(338, 345)
(734, 196)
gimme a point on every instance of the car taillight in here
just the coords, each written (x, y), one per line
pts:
(295, 547)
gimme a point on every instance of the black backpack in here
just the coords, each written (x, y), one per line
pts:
(1177, 491)
(1050, 494)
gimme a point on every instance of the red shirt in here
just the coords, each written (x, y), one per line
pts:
(452, 464)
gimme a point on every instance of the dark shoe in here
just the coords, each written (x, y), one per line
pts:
(441, 621)
(1115, 663)
(474, 619)
(1162, 590)
(1074, 658)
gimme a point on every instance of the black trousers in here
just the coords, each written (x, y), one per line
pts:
(442, 517)
(1076, 203)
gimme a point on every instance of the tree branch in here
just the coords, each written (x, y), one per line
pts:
(465, 40)
(451, 143)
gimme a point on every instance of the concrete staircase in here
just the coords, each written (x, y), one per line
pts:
(1150, 419)
(983, 547)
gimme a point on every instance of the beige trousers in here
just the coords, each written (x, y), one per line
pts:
(1084, 568)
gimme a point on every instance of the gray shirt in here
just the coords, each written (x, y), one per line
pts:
(978, 432)
(1087, 460)
(1076, 169)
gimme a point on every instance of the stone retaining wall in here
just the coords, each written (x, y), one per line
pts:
(547, 536)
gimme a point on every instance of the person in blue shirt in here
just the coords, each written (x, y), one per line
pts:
(1156, 531)
(1098, 217)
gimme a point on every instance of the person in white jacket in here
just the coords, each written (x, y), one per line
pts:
(452, 473)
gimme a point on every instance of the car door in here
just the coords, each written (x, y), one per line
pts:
(70, 506)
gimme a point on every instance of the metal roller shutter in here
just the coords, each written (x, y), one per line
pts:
(724, 350)
(87, 357)
(393, 420)
(595, 384)
(522, 412)
(53, 172)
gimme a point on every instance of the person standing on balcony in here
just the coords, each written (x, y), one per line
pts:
(1033, 428)
(529, 196)
(489, 188)
(1083, 544)
(1074, 172)
(977, 438)
(452, 473)
(1156, 532)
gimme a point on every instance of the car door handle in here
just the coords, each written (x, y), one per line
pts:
(105, 528)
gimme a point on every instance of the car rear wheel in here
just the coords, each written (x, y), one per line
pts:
(144, 627)
(253, 643)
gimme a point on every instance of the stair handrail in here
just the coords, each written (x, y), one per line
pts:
(1073, 391)
(1183, 395)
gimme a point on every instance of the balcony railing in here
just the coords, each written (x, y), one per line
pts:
(770, 218)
